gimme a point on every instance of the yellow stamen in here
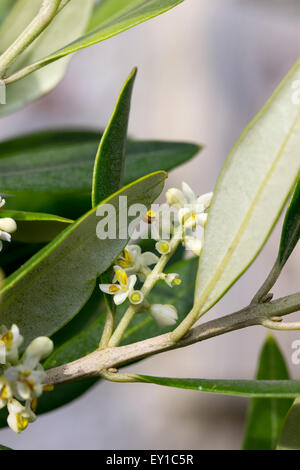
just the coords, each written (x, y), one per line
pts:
(113, 289)
(7, 338)
(122, 277)
(22, 422)
(34, 404)
(135, 297)
(123, 263)
(48, 388)
(164, 247)
(150, 216)
(127, 256)
(177, 282)
(4, 393)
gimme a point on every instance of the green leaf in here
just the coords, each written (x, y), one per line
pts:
(110, 158)
(69, 23)
(15, 254)
(109, 18)
(5, 7)
(51, 171)
(4, 448)
(243, 388)
(52, 287)
(266, 415)
(291, 227)
(34, 227)
(250, 193)
(290, 436)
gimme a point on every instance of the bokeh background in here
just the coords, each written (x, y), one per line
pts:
(205, 69)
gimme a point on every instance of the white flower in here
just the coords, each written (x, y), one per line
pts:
(194, 244)
(19, 416)
(133, 261)
(136, 297)
(27, 377)
(10, 341)
(123, 289)
(7, 226)
(39, 349)
(191, 209)
(171, 279)
(26, 381)
(163, 247)
(164, 315)
(5, 392)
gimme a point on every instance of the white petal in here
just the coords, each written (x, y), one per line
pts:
(12, 422)
(8, 225)
(14, 406)
(193, 244)
(120, 298)
(134, 251)
(205, 200)
(39, 348)
(2, 202)
(188, 193)
(201, 219)
(149, 258)
(5, 236)
(106, 288)
(23, 391)
(175, 197)
(164, 315)
(131, 282)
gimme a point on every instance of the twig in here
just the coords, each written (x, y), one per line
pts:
(100, 360)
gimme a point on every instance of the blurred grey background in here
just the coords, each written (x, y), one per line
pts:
(205, 69)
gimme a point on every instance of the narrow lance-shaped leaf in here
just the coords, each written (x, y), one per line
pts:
(4, 448)
(243, 388)
(109, 18)
(291, 227)
(34, 227)
(266, 415)
(52, 287)
(110, 161)
(69, 23)
(110, 158)
(250, 193)
(51, 171)
(290, 436)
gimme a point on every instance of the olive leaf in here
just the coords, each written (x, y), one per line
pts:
(250, 193)
(35, 227)
(69, 23)
(110, 158)
(290, 435)
(266, 415)
(51, 171)
(65, 36)
(52, 287)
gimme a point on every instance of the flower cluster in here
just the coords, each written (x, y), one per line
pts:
(191, 214)
(7, 226)
(21, 378)
(176, 219)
